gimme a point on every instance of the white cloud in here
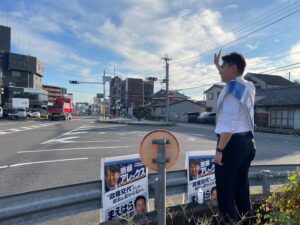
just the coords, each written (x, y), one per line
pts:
(252, 47)
(142, 42)
(232, 6)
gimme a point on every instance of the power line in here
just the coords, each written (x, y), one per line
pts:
(278, 68)
(244, 26)
(240, 38)
(210, 43)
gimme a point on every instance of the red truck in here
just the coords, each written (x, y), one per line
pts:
(61, 109)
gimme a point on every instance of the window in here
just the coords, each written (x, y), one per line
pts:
(210, 96)
(283, 118)
(16, 73)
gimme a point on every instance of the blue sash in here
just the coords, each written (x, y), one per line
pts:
(243, 94)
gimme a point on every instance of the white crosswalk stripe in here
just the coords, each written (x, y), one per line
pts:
(19, 129)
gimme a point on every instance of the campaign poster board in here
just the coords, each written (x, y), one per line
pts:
(200, 173)
(124, 187)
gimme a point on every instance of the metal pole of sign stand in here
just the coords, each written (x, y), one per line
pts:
(160, 189)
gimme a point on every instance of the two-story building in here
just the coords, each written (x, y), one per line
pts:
(211, 97)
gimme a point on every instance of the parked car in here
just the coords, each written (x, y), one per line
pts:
(1, 112)
(192, 117)
(207, 117)
(10, 114)
(34, 114)
(22, 112)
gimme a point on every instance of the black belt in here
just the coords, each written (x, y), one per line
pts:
(247, 133)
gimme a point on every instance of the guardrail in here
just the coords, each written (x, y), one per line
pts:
(43, 205)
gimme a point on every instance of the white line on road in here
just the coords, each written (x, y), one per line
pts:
(14, 130)
(49, 161)
(80, 132)
(71, 149)
(26, 128)
(3, 167)
(199, 135)
(61, 140)
(53, 139)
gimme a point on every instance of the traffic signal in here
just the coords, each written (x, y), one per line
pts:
(151, 78)
(74, 82)
(2, 90)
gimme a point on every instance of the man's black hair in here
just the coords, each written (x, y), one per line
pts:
(213, 189)
(138, 198)
(236, 59)
(195, 162)
(113, 169)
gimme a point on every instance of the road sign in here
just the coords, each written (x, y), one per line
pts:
(149, 151)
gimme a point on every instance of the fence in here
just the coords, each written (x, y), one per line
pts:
(43, 205)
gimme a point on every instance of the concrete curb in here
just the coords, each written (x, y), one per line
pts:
(136, 123)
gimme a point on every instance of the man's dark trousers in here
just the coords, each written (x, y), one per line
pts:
(232, 177)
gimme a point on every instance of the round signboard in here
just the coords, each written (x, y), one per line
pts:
(149, 151)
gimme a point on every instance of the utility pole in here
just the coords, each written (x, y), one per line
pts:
(104, 95)
(166, 59)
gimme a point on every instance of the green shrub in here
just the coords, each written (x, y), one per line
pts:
(282, 207)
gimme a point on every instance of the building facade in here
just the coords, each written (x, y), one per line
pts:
(22, 71)
(129, 94)
(54, 92)
(5, 33)
(211, 97)
(115, 93)
(278, 107)
(38, 99)
(178, 110)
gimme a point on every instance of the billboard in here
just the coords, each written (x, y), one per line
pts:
(20, 103)
(124, 187)
(200, 173)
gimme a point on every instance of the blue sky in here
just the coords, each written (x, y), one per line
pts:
(79, 39)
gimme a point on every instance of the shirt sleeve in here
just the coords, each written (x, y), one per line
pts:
(230, 114)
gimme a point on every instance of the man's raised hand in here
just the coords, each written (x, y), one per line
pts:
(217, 60)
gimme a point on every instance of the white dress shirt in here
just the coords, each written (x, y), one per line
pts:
(231, 116)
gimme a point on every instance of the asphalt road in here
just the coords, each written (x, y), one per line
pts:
(42, 154)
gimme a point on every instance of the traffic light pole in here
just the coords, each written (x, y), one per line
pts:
(105, 79)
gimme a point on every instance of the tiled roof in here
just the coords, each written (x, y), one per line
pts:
(270, 79)
(283, 96)
(162, 93)
(177, 102)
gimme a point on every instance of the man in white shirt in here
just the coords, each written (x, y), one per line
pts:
(234, 127)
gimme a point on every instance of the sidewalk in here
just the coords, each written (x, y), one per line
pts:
(128, 121)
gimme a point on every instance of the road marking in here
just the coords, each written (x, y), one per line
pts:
(82, 132)
(71, 149)
(3, 167)
(13, 130)
(61, 140)
(49, 161)
(199, 135)
(64, 134)
(26, 128)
